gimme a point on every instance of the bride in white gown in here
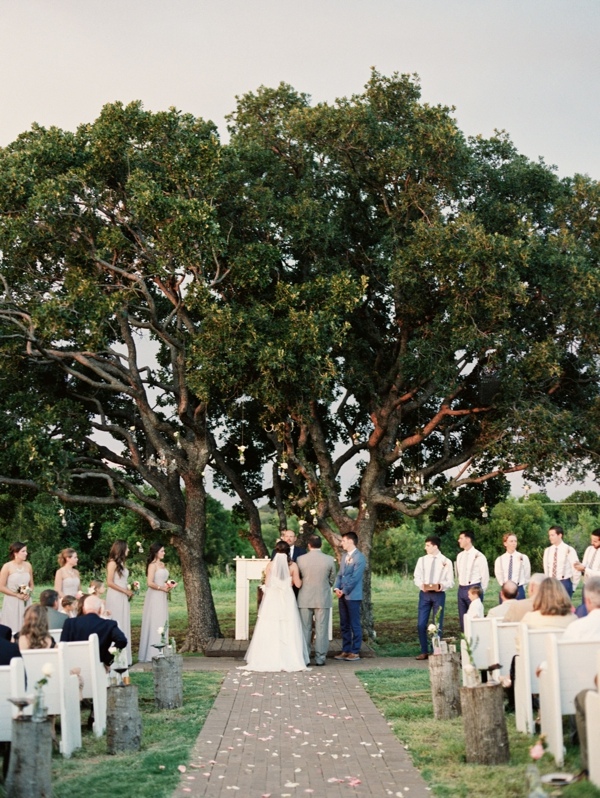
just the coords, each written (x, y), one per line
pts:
(278, 642)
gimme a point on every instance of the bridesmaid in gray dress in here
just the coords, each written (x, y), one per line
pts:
(16, 582)
(155, 613)
(67, 581)
(118, 592)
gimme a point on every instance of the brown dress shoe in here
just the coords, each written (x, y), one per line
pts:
(343, 655)
(352, 657)
(422, 656)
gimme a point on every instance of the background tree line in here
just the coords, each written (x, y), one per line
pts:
(396, 549)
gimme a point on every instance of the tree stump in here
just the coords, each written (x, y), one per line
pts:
(486, 737)
(29, 769)
(444, 676)
(123, 720)
(168, 681)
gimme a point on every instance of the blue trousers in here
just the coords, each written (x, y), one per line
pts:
(430, 604)
(350, 625)
(463, 602)
(568, 586)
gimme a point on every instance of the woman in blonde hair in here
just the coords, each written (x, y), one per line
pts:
(34, 633)
(66, 579)
(552, 608)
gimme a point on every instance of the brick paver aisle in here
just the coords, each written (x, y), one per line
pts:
(297, 734)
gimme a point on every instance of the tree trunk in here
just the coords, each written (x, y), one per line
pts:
(123, 720)
(444, 675)
(29, 770)
(203, 623)
(168, 682)
(486, 738)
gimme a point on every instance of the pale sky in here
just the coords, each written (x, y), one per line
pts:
(531, 67)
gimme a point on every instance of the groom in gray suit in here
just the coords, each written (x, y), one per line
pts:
(314, 598)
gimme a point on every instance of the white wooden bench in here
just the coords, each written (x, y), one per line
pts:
(531, 653)
(592, 721)
(61, 693)
(86, 656)
(480, 633)
(10, 686)
(506, 644)
(568, 667)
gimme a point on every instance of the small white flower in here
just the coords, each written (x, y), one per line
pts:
(161, 629)
(132, 428)
(48, 670)
(432, 628)
(61, 511)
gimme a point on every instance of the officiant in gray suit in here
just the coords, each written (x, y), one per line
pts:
(314, 598)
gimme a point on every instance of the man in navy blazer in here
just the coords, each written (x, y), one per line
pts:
(348, 589)
(8, 650)
(81, 627)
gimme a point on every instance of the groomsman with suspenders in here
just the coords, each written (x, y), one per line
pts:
(589, 568)
(433, 576)
(560, 560)
(471, 570)
(512, 566)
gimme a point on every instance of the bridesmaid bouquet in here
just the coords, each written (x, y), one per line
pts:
(171, 584)
(25, 590)
(135, 587)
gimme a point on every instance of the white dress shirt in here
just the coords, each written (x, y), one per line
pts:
(521, 570)
(587, 628)
(472, 568)
(591, 560)
(442, 571)
(566, 557)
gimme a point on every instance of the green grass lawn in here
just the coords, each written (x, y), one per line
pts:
(437, 747)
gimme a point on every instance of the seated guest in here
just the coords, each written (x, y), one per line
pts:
(49, 600)
(90, 622)
(516, 611)
(508, 596)
(68, 606)
(588, 627)
(34, 632)
(552, 608)
(8, 650)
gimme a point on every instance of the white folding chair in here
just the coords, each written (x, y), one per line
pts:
(531, 653)
(480, 633)
(506, 644)
(568, 668)
(592, 721)
(7, 710)
(61, 693)
(85, 655)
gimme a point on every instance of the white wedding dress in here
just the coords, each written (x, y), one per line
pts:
(278, 642)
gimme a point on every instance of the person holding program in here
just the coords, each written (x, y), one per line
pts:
(278, 642)
(349, 590)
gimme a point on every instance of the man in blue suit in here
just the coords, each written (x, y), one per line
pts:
(348, 589)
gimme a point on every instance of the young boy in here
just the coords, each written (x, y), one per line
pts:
(476, 606)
